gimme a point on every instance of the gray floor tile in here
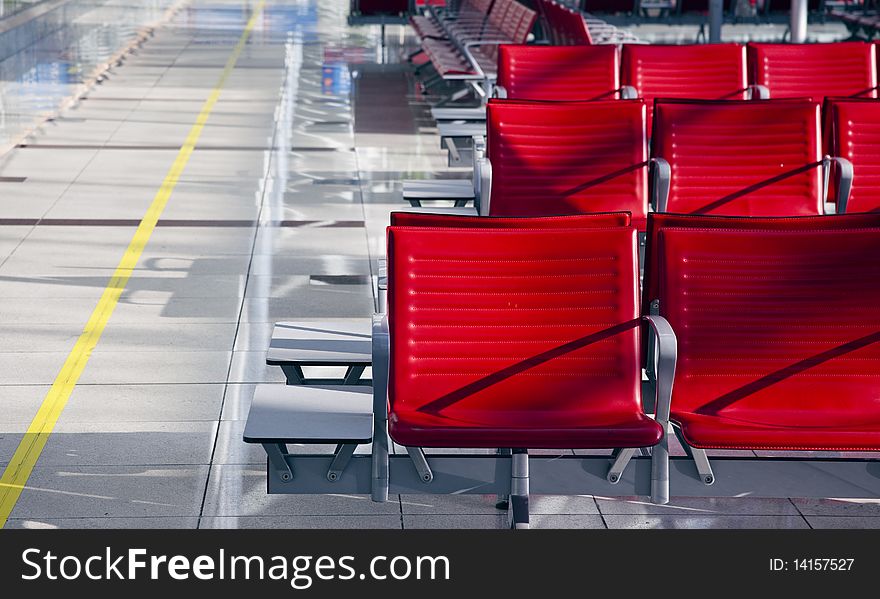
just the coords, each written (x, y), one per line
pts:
(143, 403)
(129, 443)
(705, 522)
(838, 507)
(844, 522)
(115, 491)
(498, 521)
(689, 506)
(103, 523)
(303, 522)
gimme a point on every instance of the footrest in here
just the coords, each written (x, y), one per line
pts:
(340, 342)
(310, 414)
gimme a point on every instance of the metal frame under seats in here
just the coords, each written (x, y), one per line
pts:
(739, 158)
(698, 71)
(558, 72)
(498, 338)
(339, 342)
(815, 70)
(777, 346)
(855, 136)
(550, 158)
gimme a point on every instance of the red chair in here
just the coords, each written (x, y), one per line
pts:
(705, 71)
(738, 158)
(855, 136)
(777, 339)
(425, 219)
(558, 72)
(814, 70)
(517, 339)
(556, 158)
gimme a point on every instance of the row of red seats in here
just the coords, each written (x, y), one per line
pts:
(525, 333)
(467, 45)
(742, 158)
(709, 71)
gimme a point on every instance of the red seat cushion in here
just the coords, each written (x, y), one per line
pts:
(554, 158)
(815, 70)
(423, 219)
(777, 337)
(741, 158)
(515, 338)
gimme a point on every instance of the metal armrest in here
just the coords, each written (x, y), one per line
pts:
(475, 43)
(482, 199)
(479, 153)
(381, 358)
(761, 91)
(844, 180)
(667, 355)
(660, 178)
(499, 92)
(628, 92)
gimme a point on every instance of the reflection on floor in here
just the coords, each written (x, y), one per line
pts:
(279, 213)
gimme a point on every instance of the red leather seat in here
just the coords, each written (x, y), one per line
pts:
(741, 158)
(704, 71)
(777, 337)
(559, 72)
(814, 70)
(515, 338)
(424, 219)
(855, 135)
(555, 158)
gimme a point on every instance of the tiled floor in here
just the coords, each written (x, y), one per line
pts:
(280, 213)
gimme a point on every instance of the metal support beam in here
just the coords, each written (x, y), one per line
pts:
(341, 458)
(798, 21)
(716, 18)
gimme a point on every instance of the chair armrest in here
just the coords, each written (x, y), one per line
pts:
(761, 91)
(661, 173)
(381, 359)
(628, 92)
(479, 144)
(844, 172)
(667, 355)
(482, 200)
(476, 43)
(499, 92)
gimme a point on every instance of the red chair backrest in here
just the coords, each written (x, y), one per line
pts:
(815, 70)
(658, 221)
(778, 320)
(741, 158)
(425, 219)
(855, 135)
(567, 26)
(704, 71)
(514, 323)
(555, 158)
(531, 72)
(513, 19)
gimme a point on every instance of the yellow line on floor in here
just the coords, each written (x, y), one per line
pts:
(19, 469)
